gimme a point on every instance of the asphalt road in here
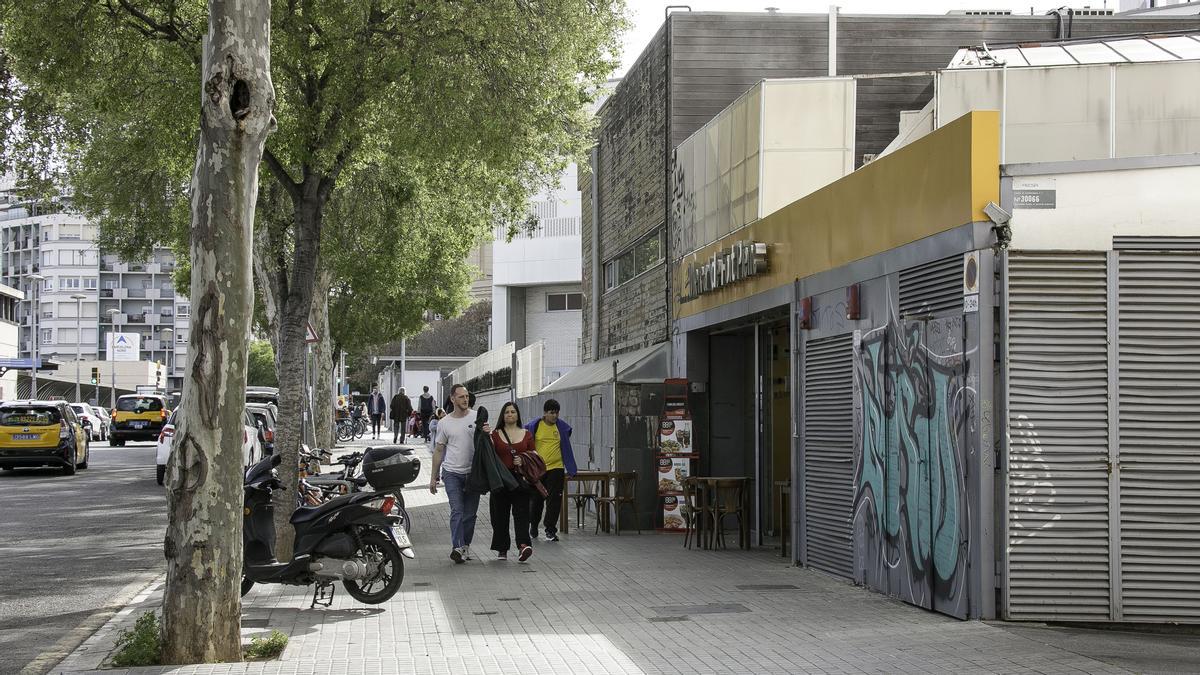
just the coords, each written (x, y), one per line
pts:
(68, 544)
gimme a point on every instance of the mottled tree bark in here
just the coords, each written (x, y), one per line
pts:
(323, 356)
(203, 545)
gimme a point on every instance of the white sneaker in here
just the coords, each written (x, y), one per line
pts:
(467, 553)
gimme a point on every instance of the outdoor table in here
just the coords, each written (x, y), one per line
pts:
(601, 479)
(707, 496)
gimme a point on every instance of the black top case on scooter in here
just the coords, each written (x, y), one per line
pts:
(390, 467)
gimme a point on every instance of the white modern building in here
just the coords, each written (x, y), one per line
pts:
(10, 329)
(537, 293)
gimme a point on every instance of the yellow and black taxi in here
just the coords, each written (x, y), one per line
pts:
(137, 417)
(41, 433)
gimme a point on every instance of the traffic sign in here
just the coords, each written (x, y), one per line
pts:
(310, 335)
(19, 363)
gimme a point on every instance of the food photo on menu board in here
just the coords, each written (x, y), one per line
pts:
(672, 471)
(672, 519)
(675, 437)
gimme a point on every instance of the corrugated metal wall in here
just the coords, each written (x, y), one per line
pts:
(1159, 329)
(1104, 441)
(829, 453)
(1058, 529)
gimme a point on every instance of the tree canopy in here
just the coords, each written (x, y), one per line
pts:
(424, 122)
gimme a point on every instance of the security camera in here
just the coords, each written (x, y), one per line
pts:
(997, 215)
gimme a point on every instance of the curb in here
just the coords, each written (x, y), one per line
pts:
(87, 645)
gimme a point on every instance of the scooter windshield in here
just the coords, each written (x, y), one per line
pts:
(261, 470)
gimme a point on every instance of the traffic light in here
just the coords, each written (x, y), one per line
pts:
(95, 375)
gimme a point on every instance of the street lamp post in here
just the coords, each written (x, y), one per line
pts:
(78, 298)
(166, 335)
(35, 304)
(112, 362)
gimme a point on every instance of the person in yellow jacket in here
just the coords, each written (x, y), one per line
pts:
(552, 438)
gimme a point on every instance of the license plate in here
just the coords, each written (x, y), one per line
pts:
(139, 425)
(26, 437)
(401, 537)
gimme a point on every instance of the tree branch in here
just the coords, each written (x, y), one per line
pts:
(169, 30)
(281, 174)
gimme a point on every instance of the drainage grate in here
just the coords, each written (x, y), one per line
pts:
(528, 571)
(483, 613)
(663, 619)
(423, 583)
(254, 623)
(508, 599)
(768, 587)
(712, 608)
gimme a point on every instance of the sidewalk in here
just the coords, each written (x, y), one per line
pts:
(610, 604)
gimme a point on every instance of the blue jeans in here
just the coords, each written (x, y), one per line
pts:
(463, 505)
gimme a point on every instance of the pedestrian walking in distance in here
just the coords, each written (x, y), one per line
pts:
(433, 425)
(399, 410)
(511, 442)
(453, 455)
(375, 408)
(552, 439)
(425, 408)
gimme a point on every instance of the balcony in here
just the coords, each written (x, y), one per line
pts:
(120, 293)
(135, 318)
(106, 292)
(166, 293)
(151, 318)
(152, 293)
(120, 267)
(136, 292)
(154, 268)
(106, 267)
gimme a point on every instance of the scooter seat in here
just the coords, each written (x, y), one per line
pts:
(306, 514)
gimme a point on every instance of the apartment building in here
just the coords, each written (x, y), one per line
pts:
(75, 295)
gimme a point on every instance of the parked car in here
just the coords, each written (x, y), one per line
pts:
(88, 418)
(252, 450)
(42, 433)
(137, 417)
(266, 414)
(256, 394)
(105, 421)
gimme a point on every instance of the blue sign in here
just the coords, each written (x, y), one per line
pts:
(19, 363)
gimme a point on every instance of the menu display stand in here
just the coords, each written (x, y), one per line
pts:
(675, 452)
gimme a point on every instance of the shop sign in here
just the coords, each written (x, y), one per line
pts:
(727, 266)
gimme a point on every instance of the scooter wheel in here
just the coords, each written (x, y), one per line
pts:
(381, 587)
(247, 584)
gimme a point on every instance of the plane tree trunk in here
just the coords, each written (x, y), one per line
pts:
(203, 544)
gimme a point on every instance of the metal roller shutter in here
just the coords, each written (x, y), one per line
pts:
(829, 453)
(1058, 508)
(1159, 412)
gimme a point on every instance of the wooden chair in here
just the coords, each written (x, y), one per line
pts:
(624, 495)
(585, 491)
(729, 499)
(692, 510)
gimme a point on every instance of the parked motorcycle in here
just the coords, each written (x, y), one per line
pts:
(355, 538)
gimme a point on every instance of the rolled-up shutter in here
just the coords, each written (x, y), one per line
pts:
(1058, 523)
(1159, 412)
(829, 453)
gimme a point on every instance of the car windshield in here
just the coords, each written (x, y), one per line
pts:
(81, 410)
(139, 404)
(25, 416)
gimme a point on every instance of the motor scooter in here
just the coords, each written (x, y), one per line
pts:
(354, 538)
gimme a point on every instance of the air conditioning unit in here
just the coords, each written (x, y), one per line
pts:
(980, 12)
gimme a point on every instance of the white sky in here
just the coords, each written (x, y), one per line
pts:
(646, 16)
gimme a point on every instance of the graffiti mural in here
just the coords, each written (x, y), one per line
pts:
(914, 404)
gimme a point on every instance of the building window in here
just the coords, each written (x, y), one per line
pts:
(89, 283)
(110, 283)
(48, 284)
(70, 283)
(47, 336)
(564, 302)
(185, 310)
(646, 254)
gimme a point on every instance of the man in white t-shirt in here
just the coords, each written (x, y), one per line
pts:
(453, 454)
